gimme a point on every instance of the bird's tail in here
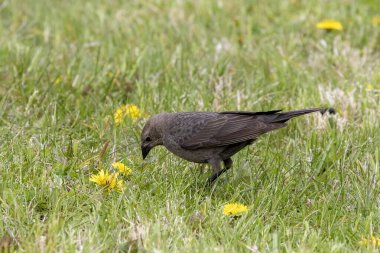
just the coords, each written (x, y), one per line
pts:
(285, 116)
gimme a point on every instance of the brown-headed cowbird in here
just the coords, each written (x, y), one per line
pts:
(212, 137)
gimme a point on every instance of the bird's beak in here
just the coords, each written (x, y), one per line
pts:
(145, 151)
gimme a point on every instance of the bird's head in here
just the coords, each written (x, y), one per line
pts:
(152, 133)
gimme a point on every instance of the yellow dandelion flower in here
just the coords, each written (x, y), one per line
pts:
(330, 24)
(376, 20)
(119, 186)
(100, 178)
(107, 181)
(118, 116)
(132, 111)
(112, 182)
(122, 168)
(374, 241)
(234, 209)
(369, 86)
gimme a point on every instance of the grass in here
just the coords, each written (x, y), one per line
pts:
(66, 66)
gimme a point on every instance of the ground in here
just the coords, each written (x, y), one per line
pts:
(67, 66)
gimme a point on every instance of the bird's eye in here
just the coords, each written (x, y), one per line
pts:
(148, 139)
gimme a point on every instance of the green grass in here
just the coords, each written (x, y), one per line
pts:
(65, 66)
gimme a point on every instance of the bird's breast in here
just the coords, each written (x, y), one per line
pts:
(197, 155)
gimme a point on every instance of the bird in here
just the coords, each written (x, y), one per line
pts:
(212, 137)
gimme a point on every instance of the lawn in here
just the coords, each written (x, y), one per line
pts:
(67, 66)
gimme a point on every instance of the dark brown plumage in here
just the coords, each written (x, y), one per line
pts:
(211, 137)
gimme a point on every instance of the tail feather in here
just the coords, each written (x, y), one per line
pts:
(285, 116)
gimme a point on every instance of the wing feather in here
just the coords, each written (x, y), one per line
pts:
(227, 128)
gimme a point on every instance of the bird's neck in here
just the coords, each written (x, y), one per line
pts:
(161, 124)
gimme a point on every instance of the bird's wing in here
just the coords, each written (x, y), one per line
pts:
(220, 129)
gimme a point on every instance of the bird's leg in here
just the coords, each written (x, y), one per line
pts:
(215, 164)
